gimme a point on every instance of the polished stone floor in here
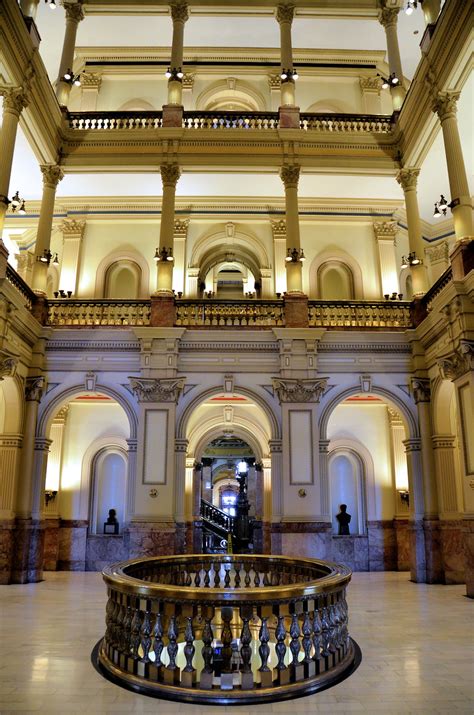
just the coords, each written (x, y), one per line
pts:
(417, 644)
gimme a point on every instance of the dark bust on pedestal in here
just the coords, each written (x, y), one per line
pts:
(344, 519)
(111, 526)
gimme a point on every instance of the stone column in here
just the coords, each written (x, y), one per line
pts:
(370, 88)
(14, 100)
(173, 110)
(290, 176)
(29, 8)
(170, 174)
(415, 482)
(445, 107)
(279, 254)
(276, 457)
(90, 87)
(266, 288)
(74, 15)
(431, 10)
(192, 283)
(274, 83)
(388, 17)
(52, 175)
(408, 178)
(73, 233)
(25, 265)
(385, 238)
(179, 252)
(289, 112)
(443, 448)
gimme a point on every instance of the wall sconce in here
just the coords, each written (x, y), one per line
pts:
(49, 495)
(404, 496)
(174, 73)
(411, 260)
(441, 206)
(71, 78)
(390, 81)
(163, 254)
(47, 257)
(293, 255)
(288, 75)
(17, 204)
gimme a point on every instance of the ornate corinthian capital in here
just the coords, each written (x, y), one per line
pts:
(460, 362)
(421, 389)
(291, 390)
(408, 178)
(15, 99)
(170, 174)
(179, 12)
(74, 11)
(155, 390)
(72, 227)
(8, 365)
(34, 388)
(290, 175)
(444, 104)
(52, 175)
(285, 13)
(385, 229)
(388, 16)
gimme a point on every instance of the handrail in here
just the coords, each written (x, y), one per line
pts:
(359, 314)
(98, 312)
(149, 119)
(216, 516)
(229, 313)
(22, 287)
(373, 123)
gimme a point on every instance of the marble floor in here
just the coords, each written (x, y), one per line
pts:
(417, 644)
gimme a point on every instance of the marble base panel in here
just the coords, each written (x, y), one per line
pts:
(311, 540)
(72, 545)
(382, 546)
(452, 535)
(152, 539)
(352, 551)
(417, 552)
(469, 556)
(402, 535)
(51, 545)
(6, 550)
(28, 549)
(257, 537)
(433, 555)
(105, 549)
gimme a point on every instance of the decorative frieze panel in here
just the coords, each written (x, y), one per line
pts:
(157, 390)
(459, 362)
(293, 390)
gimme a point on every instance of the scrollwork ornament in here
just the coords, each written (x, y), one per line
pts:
(459, 362)
(170, 174)
(292, 390)
(290, 175)
(156, 390)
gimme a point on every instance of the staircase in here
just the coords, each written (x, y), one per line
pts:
(216, 525)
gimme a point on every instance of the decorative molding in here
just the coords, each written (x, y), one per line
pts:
(52, 175)
(290, 175)
(72, 227)
(90, 381)
(412, 445)
(364, 348)
(279, 229)
(365, 383)
(421, 389)
(370, 84)
(438, 253)
(170, 174)
(34, 388)
(294, 390)
(181, 445)
(91, 80)
(274, 81)
(384, 230)
(408, 178)
(157, 390)
(216, 347)
(229, 384)
(8, 365)
(460, 362)
(92, 345)
(187, 81)
(181, 228)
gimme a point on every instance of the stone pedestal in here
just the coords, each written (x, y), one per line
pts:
(433, 560)
(163, 311)
(151, 539)
(172, 115)
(28, 548)
(382, 546)
(6, 550)
(296, 311)
(289, 117)
(51, 545)
(452, 550)
(307, 539)
(402, 535)
(462, 258)
(469, 556)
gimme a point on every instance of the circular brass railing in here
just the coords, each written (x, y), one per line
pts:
(226, 628)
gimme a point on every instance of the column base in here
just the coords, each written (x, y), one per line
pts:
(28, 549)
(152, 538)
(289, 117)
(162, 311)
(433, 553)
(307, 539)
(402, 535)
(462, 258)
(382, 546)
(296, 310)
(6, 550)
(173, 115)
(51, 545)
(452, 535)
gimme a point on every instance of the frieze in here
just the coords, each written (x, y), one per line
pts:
(364, 348)
(293, 390)
(157, 390)
(460, 362)
(188, 346)
(89, 345)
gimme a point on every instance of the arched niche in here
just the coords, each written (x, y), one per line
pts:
(347, 486)
(123, 280)
(224, 94)
(123, 258)
(136, 105)
(346, 271)
(406, 284)
(328, 106)
(108, 487)
(11, 406)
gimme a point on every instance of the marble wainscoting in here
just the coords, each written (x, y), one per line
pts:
(307, 539)
(352, 551)
(72, 545)
(402, 535)
(469, 555)
(28, 549)
(6, 550)
(453, 539)
(154, 539)
(105, 549)
(382, 545)
(433, 555)
(51, 545)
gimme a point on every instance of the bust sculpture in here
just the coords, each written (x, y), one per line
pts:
(343, 519)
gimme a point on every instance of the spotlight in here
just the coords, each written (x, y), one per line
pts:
(77, 81)
(18, 204)
(443, 204)
(436, 212)
(51, 3)
(168, 73)
(284, 74)
(295, 74)
(410, 260)
(22, 209)
(180, 73)
(394, 79)
(67, 75)
(411, 5)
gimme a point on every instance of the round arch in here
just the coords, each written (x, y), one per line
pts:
(328, 106)
(50, 408)
(240, 239)
(237, 431)
(123, 254)
(182, 422)
(98, 447)
(137, 104)
(408, 418)
(362, 453)
(231, 91)
(338, 257)
(11, 389)
(238, 256)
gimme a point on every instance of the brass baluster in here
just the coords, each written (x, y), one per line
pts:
(135, 633)
(172, 672)
(297, 668)
(226, 638)
(266, 677)
(281, 670)
(145, 637)
(205, 681)
(309, 666)
(188, 677)
(245, 650)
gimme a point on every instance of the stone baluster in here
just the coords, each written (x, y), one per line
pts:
(206, 678)
(246, 650)
(145, 637)
(188, 677)
(172, 672)
(296, 668)
(74, 15)
(14, 101)
(266, 676)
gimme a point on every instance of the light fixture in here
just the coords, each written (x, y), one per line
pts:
(411, 260)
(404, 496)
(288, 75)
(242, 467)
(174, 73)
(441, 206)
(163, 254)
(48, 257)
(293, 255)
(51, 3)
(436, 212)
(168, 73)
(18, 204)
(49, 495)
(390, 81)
(62, 293)
(72, 78)
(411, 5)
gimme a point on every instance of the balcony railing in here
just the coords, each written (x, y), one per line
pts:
(23, 288)
(229, 313)
(95, 313)
(359, 314)
(227, 629)
(138, 120)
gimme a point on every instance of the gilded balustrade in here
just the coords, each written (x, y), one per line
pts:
(359, 314)
(226, 629)
(230, 313)
(90, 313)
(346, 123)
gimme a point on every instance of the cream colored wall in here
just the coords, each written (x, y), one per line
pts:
(368, 424)
(85, 424)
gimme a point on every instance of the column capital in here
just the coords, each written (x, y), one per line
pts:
(443, 441)
(181, 227)
(132, 445)
(385, 230)
(370, 84)
(408, 178)
(8, 365)
(285, 13)
(279, 228)
(42, 444)
(444, 104)
(459, 363)
(324, 446)
(72, 228)
(170, 174)
(290, 175)
(421, 389)
(156, 390)
(179, 12)
(15, 99)
(74, 11)
(91, 80)
(294, 390)
(34, 388)
(275, 446)
(388, 16)
(181, 445)
(52, 175)
(274, 81)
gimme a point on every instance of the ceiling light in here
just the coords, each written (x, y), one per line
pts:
(77, 81)
(394, 79)
(295, 74)
(283, 74)
(15, 201)
(51, 3)
(67, 75)
(168, 73)
(442, 203)
(180, 73)
(409, 8)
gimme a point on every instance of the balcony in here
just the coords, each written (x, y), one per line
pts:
(226, 629)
